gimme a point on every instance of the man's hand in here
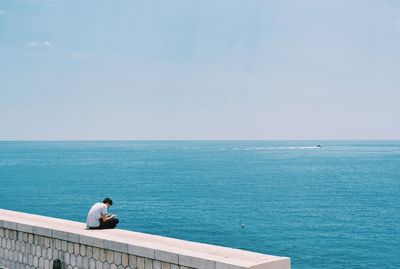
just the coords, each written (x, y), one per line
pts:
(107, 217)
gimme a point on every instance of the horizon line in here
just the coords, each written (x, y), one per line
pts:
(185, 140)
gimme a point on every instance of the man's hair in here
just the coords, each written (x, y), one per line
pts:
(107, 201)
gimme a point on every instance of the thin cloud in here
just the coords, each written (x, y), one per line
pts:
(2, 12)
(40, 44)
(49, 45)
(35, 43)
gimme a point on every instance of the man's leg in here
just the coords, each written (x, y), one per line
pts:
(109, 224)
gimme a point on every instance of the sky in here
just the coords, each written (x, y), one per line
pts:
(199, 70)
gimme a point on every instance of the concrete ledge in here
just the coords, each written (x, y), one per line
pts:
(163, 249)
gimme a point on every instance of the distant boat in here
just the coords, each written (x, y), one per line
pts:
(318, 146)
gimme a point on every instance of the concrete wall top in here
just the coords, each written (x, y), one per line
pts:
(185, 253)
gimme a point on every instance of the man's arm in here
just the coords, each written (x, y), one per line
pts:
(105, 218)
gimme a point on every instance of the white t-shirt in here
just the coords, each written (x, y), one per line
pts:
(95, 214)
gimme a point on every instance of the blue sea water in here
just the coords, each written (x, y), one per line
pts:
(332, 207)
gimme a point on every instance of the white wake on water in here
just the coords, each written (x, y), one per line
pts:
(278, 148)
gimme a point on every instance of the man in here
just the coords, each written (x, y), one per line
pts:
(97, 217)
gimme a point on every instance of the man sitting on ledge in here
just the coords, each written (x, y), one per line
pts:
(97, 217)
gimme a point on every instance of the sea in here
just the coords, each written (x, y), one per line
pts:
(334, 206)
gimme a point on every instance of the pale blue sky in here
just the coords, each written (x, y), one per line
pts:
(189, 69)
